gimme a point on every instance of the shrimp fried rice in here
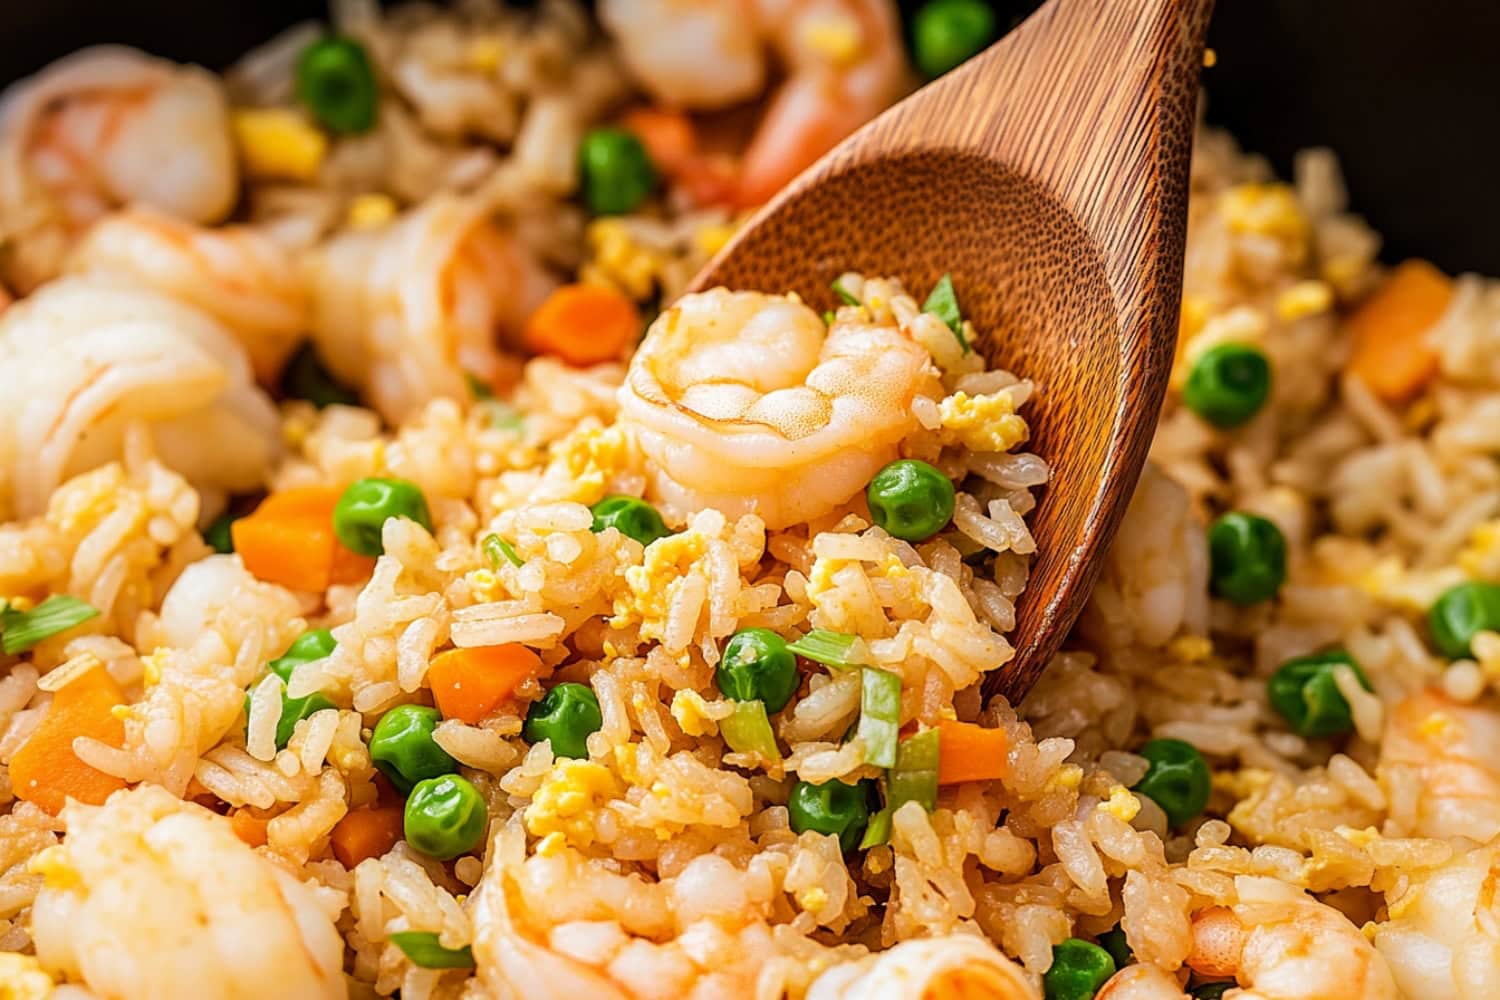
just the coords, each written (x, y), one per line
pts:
(408, 591)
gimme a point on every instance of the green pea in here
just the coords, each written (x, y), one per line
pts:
(336, 82)
(1211, 991)
(630, 516)
(566, 715)
(1461, 613)
(219, 535)
(1078, 969)
(617, 173)
(367, 504)
(314, 644)
(757, 666)
(403, 748)
(945, 33)
(1247, 558)
(445, 817)
(1228, 384)
(306, 377)
(1113, 941)
(832, 807)
(1177, 779)
(910, 499)
(1304, 692)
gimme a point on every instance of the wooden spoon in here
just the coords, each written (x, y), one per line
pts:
(1049, 175)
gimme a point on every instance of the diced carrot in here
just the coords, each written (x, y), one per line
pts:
(367, 832)
(289, 540)
(671, 139)
(584, 324)
(248, 827)
(467, 684)
(45, 770)
(1392, 355)
(669, 136)
(967, 752)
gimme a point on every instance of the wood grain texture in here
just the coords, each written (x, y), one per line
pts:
(1049, 175)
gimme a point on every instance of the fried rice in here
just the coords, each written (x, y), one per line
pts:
(190, 807)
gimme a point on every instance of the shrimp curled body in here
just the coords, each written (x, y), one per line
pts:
(746, 403)
(152, 897)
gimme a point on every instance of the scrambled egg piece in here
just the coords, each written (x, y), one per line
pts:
(1268, 210)
(694, 715)
(485, 54)
(22, 978)
(1191, 648)
(1069, 776)
(52, 865)
(1242, 784)
(836, 39)
(1480, 556)
(368, 211)
(617, 259)
(1305, 298)
(710, 239)
(983, 422)
(584, 462)
(657, 580)
(279, 144)
(1436, 726)
(562, 810)
(1122, 804)
(1389, 581)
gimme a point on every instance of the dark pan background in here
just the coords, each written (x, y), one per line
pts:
(1407, 91)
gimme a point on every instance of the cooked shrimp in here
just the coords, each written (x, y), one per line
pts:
(1281, 944)
(236, 274)
(844, 63)
(1443, 936)
(1140, 982)
(151, 897)
(101, 128)
(405, 311)
(953, 967)
(86, 356)
(745, 402)
(1448, 756)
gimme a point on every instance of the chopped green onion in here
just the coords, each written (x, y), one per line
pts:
(913, 779)
(943, 303)
(478, 387)
(749, 731)
(496, 548)
(878, 830)
(880, 715)
(502, 416)
(828, 317)
(424, 951)
(24, 629)
(832, 649)
(844, 294)
(915, 776)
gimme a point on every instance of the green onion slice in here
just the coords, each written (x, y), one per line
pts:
(880, 715)
(845, 296)
(828, 317)
(749, 731)
(496, 548)
(913, 779)
(943, 303)
(877, 830)
(832, 649)
(502, 416)
(478, 387)
(915, 776)
(24, 629)
(424, 951)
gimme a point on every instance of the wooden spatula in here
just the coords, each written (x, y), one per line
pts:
(1049, 176)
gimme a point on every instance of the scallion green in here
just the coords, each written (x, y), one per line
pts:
(478, 387)
(878, 830)
(879, 715)
(501, 415)
(20, 630)
(496, 548)
(915, 776)
(424, 951)
(832, 649)
(845, 296)
(943, 303)
(748, 730)
(828, 317)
